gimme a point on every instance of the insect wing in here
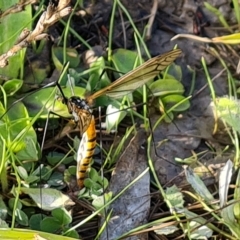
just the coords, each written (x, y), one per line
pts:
(139, 76)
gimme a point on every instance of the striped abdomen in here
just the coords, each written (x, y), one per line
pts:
(85, 152)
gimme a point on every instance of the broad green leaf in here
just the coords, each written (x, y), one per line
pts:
(199, 231)
(3, 224)
(50, 224)
(12, 86)
(22, 172)
(35, 102)
(17, 111)
(114, 117)
(48, 199)
(89, 183)
(10, 28)
(165, 87)
(11, 204)
(100, 201)
(228, 39)
(171, 100)
(72, 170)
(54, 158)
(174, 71)
(124, 61)
(72, 233)
(29, 152)
(44, 171)
(56, 179)
(35, 220)
(93, 175)
(3, 209)
(175, 197)
(62, 215)
(227, 214)
(26, 234)
(166, 230)
(229, 109)
(98, 77)
(21, 217)
(198, 185)
(71, 56)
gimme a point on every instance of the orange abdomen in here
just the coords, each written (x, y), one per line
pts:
(85, 152)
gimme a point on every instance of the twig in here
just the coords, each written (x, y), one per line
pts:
(151, 19)
(48, 18)
(19, 7)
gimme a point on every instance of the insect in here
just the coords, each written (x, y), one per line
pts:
(80, 108)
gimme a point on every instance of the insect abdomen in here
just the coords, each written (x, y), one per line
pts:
(85, 152)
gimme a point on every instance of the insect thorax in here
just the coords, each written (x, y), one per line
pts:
(78, 105)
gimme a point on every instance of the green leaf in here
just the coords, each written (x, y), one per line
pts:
(114, 117)
(30, 211)
(22, 172)
(98, 77)
(198, 185)
(165, 87)
(44, 171)
(35, 221)
(100, 201)
(21, 217)
(47, 199)
(10, 29)
(171, 100)
(12, 86)
(17, 111)
(199, 232)
(175, 197)
(62, 215)
(26, 234)
(228, 217)
(56, 179)
(125, 61)
(72, 170)
(3, 209)
(166, 230)
(89, 183)
(72, 233)
(50, 224)
(29, 152)
(46, 99)
(174, 72)
(71, 56)
(3, 224)
(11, 203)
(93, 175)
(229, 109)
(31, 179)
(54, 158)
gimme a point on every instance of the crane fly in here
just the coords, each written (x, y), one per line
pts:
(80, 108)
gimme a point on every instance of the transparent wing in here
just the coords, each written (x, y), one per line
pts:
(139, 76)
